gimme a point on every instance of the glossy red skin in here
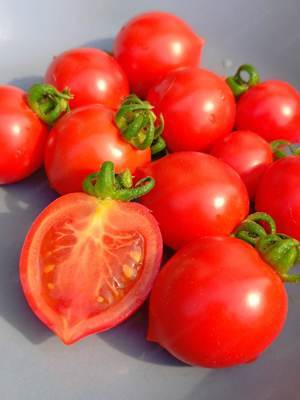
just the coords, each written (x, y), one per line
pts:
(248, 154)
(195, 195)
(217, 304)
(198, 109)
(69, 308)
(278, 194)
(92, 75)
(272, 110)
(22, 136)
(150, 45)
(81, 141)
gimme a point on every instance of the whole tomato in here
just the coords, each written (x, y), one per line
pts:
(81, 141)
(91, 75)
(152, 44)
(248, 154)
(217, 304)
(198, 108)
(22, 136)
(278, 194)
(195, 195)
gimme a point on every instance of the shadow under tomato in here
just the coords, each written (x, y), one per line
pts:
(25, 82)
(21, 203)
(130, 338)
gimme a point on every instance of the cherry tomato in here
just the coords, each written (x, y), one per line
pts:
(195, 195)
(81, 141)
(217, 304)
(22, 136)
(278, 194)
(272, 110)
(92, 75)
(87, 264)
(248, 154)
(151, 45)
(198, 108)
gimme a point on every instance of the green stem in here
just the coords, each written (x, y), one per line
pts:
(238, 84)
(47, 102)
(105, 184)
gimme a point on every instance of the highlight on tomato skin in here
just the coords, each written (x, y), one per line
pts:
(88, 264)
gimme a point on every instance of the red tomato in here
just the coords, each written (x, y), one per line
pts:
(151, 45)
(22, 136)
(92, 75)
(198, 108)
(217, 304)
(278, 194)
(87, 264)
(271, 109)
(194, 195)
(81, 141)
(248, 154)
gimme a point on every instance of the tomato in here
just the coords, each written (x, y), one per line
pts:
(271, 109)
(198, 109)
(195, 195)
(248, 154)
(87, 264)
(278, 194)
(151, 45)
(217, 304)
(92, 75)
(22, 136)
(81, 141)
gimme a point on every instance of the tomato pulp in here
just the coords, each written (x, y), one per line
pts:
(87, 264)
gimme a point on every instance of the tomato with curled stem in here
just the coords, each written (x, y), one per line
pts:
(198, 109)
(248, 154)
(91, 75)
(88, 262)
(195, 195)
(22, 136)
(152, 44)
(270, 108)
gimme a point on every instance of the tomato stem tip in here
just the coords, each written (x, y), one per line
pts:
(238, 84)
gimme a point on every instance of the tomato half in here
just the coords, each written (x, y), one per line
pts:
(92, 75)
(87, 264)
(198, 109)
(81, 141)
(152, 44)
(22, 136)
(278, 194)
(195, 195)
(217, 304)
(248, 154)
(272, 110)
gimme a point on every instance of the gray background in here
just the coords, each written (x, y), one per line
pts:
(120, 364)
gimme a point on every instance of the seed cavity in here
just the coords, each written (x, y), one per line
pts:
(129, 272)
(136, 255)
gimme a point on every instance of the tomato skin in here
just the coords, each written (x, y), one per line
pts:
(81, 141)
(216, 304)
(272, 110)
(195, 195)
(92, 75)
(150, 45)
(22, 136)
(198, 109)
(248, 154)
(69, 306)
(278, 194)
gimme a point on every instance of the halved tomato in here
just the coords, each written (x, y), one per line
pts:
(87, 264)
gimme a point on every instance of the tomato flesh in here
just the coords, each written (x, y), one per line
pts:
(87, 264)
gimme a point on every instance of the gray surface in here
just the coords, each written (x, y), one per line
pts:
(120, 364)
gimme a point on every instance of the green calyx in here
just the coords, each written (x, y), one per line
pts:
(106, 184)
(283, 148)
(278, 250)
(137, 123)
(47, 102)
(240, 85)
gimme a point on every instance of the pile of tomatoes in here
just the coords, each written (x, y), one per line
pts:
(199, 152)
